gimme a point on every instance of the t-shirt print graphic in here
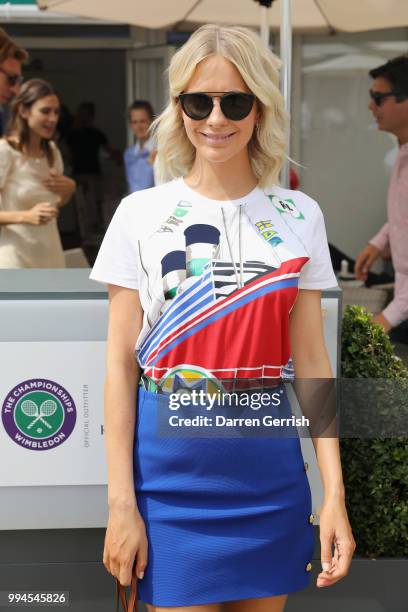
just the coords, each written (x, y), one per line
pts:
(214, 278)
(224, 322)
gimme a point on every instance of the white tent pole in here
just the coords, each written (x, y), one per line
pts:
(265, 25)
(286, 73)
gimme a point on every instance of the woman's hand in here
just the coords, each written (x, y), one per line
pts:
(125, 538)
(335, 529)
(60, 185)
(40, 214)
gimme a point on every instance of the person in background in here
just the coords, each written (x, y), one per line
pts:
(11, 58)
(139, 158)
(32, 185)
(85, 142)
(389, 105)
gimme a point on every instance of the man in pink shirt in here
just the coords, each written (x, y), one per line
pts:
(389, 105)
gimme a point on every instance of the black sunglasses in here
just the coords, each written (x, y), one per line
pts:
(235, 105)
(13, 79)
(378, 96)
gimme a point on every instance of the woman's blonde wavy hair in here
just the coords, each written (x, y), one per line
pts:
(259, 68)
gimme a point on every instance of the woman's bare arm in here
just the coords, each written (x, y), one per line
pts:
(37, 215)
(12, 216)
(125, 536)
(311, 361)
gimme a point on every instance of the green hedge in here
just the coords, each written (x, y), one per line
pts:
(375, 470)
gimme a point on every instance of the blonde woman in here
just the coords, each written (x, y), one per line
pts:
(215, 276)
(32, 185)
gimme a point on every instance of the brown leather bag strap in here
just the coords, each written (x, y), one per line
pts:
(127, 605)
(132, 605)
(120, 596)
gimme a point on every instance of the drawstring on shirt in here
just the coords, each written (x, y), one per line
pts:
(241, 275)
(238, 278)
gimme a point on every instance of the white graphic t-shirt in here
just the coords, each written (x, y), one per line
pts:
(217, 279)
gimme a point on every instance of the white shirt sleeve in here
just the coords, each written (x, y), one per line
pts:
(318, 272)
(118, 261)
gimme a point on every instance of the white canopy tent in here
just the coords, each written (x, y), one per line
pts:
(307, 15)
(346, 64)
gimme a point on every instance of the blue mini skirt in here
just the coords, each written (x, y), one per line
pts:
(227, 518)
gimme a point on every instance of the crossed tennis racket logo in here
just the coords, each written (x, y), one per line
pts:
(46, 409)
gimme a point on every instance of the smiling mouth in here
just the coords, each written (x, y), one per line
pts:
(217, 137)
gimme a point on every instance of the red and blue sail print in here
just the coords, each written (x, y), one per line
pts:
(215, 325)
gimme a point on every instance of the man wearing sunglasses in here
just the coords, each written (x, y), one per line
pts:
(389, 105)
(11, 58)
